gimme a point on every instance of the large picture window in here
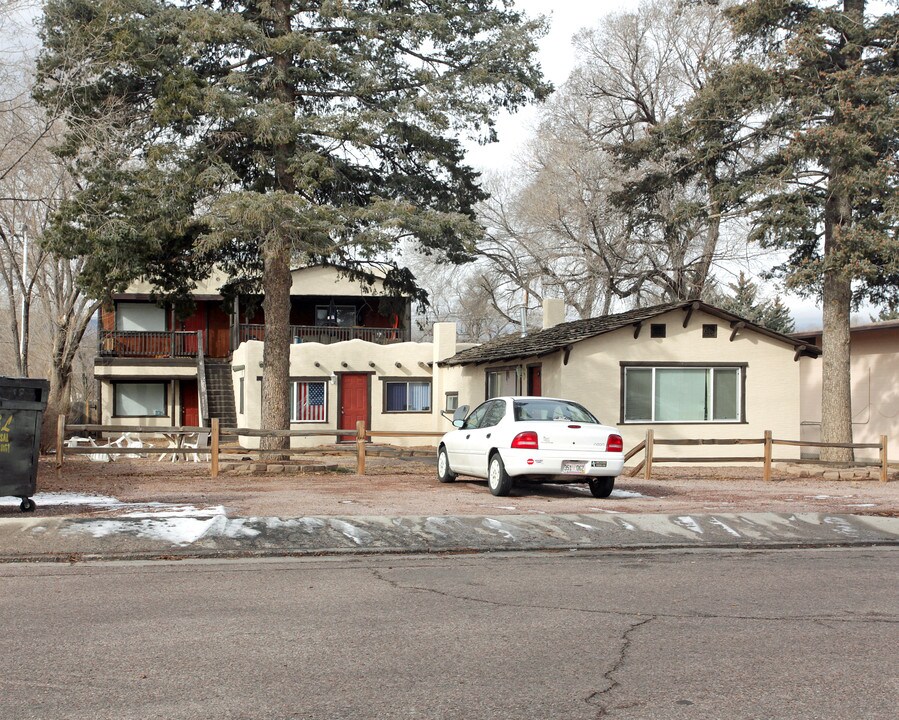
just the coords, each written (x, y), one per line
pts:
(407, 396)
(139, 399)
(309, 401)
(146, 317)
(683, 394)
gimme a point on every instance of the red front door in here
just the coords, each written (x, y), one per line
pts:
(190, 404)
(353, 403)
(535, 380)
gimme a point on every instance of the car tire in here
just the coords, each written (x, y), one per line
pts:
(498, 479)
(445, 473)
(601, 487)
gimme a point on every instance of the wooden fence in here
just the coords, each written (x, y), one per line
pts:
(215, 434)
(362, 435)
(648, 445)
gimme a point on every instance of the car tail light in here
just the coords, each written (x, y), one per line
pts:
(527, 439)
(614, 443)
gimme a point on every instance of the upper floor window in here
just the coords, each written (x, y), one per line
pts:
(345, 315)
(141, 316)
(683, 394)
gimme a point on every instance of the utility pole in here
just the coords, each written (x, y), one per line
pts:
(23, 335)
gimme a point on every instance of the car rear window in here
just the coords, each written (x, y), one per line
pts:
(540, 409)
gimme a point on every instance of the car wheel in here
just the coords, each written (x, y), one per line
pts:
(444, 472)
(498, 479)
(601, 487)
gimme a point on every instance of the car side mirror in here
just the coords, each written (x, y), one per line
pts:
(459, 423)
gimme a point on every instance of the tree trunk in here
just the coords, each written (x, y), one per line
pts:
(276, 279)
(836, 388)
(276, 352)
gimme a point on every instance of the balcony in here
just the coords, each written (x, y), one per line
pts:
(332, 334)
(147, 344)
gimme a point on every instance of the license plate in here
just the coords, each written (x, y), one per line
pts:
(573, 467)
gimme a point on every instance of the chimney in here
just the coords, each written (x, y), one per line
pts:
(553, 312)
(444, 341)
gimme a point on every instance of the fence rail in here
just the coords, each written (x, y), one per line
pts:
(361, 435)
(648, 447)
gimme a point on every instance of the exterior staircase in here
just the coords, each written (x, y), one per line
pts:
(220, 392)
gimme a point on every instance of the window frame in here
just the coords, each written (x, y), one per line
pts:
(516, 369)
(118, 317)
(385, 381)
(131, 381)
(294, 404)
(741, 367)
(446, 401)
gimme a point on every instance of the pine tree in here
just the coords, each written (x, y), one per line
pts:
(818, 87)
(256, 135)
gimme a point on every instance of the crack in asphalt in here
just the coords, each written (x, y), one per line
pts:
(817, 619)
(609, 675)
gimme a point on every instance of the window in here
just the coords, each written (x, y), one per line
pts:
(452, 402)
(476, 417)
(710, 331)
(346, 315)
(501, 382)
(140, 316)
(407, 396)
(139, 399)
(240, 397)
(658, 330)
(495, 413)
(683, 394)
(308, 401)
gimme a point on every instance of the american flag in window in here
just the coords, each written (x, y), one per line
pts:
(308, 402)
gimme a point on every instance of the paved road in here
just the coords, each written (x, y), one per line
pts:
(665, 634)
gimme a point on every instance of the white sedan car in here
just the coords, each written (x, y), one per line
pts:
(538, 438)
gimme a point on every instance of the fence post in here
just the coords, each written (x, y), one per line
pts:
(883, 458)
(60, 439)
(360, 447)
(214, 448)
(768, 447)
(647, 467)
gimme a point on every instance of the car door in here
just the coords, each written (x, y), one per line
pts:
(458, 442)
(482, 438)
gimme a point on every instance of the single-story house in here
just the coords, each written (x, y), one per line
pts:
(683, 369)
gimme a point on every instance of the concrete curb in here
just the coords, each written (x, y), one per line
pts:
(64, 538)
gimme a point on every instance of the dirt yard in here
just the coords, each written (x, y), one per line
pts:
(408, 486)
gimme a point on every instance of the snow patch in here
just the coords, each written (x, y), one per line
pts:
(499, 527)
(724, 526)
(356, 534)
(585, 525)
(689, 523)
(841, 526)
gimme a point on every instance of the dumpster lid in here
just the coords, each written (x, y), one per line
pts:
(24, 390)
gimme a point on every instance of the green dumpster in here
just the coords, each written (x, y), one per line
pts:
(22, 403)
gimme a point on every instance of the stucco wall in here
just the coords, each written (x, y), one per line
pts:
(593, 377)
(355, 356)
(874, 371)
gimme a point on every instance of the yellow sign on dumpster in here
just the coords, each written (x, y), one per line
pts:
(4, 433)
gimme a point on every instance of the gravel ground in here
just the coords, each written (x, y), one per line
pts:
(408, 486)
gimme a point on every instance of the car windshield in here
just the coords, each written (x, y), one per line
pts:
(545, 409)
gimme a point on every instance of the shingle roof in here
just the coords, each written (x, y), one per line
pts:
(554, 339)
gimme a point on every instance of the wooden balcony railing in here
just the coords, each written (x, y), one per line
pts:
(148, 344)
(331, 334)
